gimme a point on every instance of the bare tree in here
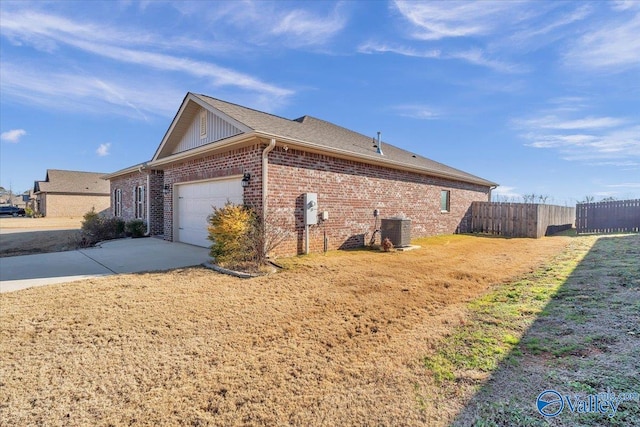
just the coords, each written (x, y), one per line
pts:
(588, 199)
(500, 198)
(266, 234)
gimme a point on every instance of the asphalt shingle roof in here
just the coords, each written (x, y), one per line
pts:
(323, 133)
(75, 182)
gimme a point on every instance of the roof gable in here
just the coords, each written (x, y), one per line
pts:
(185, 132)
(310, 132)
(325, 134)
(75, 182)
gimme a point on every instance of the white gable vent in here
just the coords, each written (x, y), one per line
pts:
(203, 124)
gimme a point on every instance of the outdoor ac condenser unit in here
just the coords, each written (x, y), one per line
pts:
(398, 230)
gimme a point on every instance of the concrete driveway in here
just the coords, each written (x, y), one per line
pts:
(113, 257)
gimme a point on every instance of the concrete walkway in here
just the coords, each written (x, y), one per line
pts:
(113, 257)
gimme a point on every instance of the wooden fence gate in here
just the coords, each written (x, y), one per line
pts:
(620, 216)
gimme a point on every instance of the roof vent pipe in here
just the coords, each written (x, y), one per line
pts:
(380, 145)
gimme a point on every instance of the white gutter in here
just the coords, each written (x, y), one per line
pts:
(376, 160)
(265, 175)
(130, 169)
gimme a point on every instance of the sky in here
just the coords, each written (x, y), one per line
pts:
(541, 97)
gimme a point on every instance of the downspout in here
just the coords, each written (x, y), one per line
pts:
(148, 206)
(493, 187)
(265, 174)
(146, 195)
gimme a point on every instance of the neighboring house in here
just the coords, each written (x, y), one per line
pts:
(216, 151)
(14, 200)
(71, 193)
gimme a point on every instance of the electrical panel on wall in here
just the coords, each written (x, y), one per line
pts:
(310, 208)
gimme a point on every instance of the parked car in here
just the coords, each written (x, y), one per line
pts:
(11, 210)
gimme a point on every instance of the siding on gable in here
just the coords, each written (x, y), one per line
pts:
(217, 129)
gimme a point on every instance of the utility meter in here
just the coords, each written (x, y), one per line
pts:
(310, 208)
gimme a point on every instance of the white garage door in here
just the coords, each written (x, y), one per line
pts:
(195, 204)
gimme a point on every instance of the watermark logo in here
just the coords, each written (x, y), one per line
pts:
(551, 403)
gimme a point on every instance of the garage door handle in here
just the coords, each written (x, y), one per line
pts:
(180, 228)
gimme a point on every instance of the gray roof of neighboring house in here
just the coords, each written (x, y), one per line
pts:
(72, 182)
(320, 132)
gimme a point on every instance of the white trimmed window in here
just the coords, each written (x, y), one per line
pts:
(139, 202)
(117, 202)
(445, 201)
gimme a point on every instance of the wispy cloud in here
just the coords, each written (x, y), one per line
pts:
(625, 164)
(125, 47)
(431, 24)
(587, 139)
(70, 92)
(304, 28)
(13, 135)
(613, 46)
(438, 20)
(551, 28)
(626, 5)
(289, 27)
(472, 56)
(625, 185)
(54, 29)
(373, 47)
(216, 75)
(103, 149)
(555, 122)
(479, 57)
(421, 112)
(502, 31)
(505, 192)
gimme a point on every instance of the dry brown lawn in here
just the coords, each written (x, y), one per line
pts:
(335, 339)
(24, 236)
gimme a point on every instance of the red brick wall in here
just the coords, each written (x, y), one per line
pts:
(235, 162)
(128, 184)
(350, 191)
(156, 202)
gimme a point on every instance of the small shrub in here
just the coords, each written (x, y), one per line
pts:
(136, 228)
(229, 228)
(96, 228)
(28, 212)
(387, 245)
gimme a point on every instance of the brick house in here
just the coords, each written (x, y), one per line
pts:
(70, 193)
(216, 151)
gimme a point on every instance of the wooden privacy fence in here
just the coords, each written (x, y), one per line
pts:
(520, 219)
(608, 217)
